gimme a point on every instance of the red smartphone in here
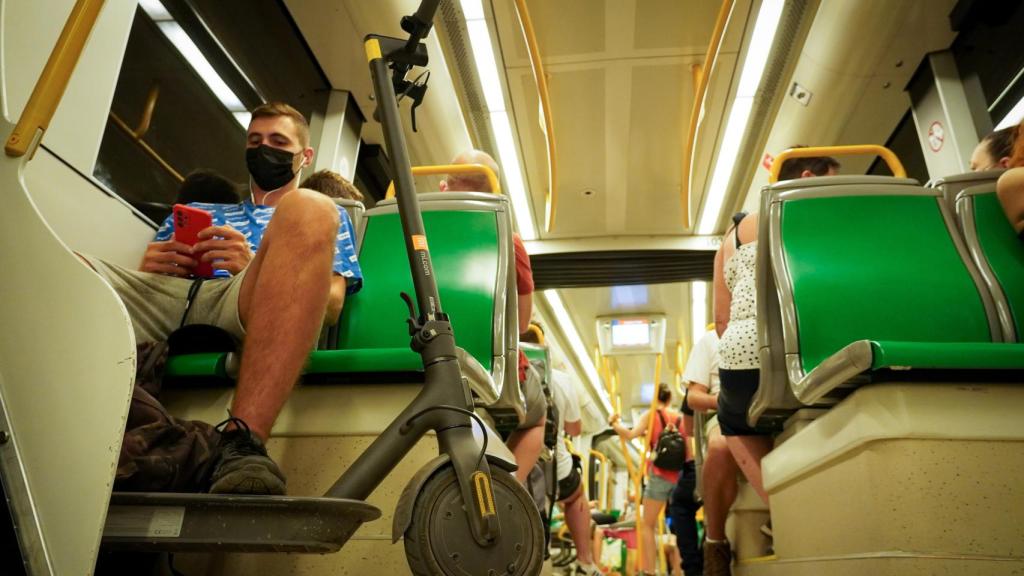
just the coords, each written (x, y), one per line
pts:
(188, 222)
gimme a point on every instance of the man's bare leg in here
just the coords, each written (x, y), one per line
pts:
(577, 516)
(526, 446)
(282, 302)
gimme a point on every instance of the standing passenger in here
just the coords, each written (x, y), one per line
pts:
(660, 482)
(736, 324)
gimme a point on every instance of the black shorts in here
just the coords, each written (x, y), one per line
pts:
(734, 398)
(568, 485)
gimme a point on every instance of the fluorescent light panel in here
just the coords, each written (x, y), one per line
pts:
(736, 125)
(1013, 117)
(188, 49)
(501, 125)
(576, 344)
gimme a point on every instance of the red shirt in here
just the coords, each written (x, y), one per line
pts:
(524, 285)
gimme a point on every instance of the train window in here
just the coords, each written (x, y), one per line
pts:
(190, 72)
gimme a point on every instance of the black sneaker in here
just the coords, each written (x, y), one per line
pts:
(242, 465)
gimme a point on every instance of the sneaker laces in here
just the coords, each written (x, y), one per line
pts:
(240, 441)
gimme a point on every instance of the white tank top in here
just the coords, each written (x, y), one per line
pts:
(738, 346)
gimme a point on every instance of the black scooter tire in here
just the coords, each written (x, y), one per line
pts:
(438, 541)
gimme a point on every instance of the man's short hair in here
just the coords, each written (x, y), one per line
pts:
(275, 109)
(999, 144)
(332, 184)
(817, 165)
(207, 186)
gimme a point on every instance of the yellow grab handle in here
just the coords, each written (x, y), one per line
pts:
(53, 81)
(814, 151)
(537, 64)
(492, 178)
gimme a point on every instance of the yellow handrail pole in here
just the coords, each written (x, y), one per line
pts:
(147, 112)
(661, 543)
(143, 127)
(602, 482)
(701, 75)
(492, 178)
(813, 151)
(551, 196)
(50, 86)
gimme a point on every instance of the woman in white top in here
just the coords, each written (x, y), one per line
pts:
(736, 323)
(739, 367)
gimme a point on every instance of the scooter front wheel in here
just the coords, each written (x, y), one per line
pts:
(438, 541)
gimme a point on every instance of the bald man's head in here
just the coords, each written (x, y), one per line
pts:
(470, 182)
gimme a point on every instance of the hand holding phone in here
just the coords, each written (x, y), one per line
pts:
(188, 222)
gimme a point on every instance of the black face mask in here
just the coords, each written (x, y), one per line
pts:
(270, 168)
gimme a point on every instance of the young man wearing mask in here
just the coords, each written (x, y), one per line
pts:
(284, 261)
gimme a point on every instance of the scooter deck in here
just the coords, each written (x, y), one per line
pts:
(149, 521)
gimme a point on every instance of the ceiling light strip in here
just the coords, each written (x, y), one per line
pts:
(501, 124)
(195, 58)
(565, 324)
(758, 50)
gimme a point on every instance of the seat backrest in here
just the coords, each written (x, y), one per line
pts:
(951, 186)
(871, 258)
(355, 211)
(773, 401)
(997, 252)
(469, 236)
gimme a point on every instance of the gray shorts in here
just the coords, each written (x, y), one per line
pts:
(536, 402)
(658, 488)
(156, 302)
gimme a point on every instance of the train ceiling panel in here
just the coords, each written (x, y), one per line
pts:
(334, 31)
(621, 87)
(856, 61)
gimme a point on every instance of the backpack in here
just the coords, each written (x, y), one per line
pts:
(670, 451)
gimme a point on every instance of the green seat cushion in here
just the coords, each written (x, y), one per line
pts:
(1004, 252)
(205, 364)
(364, 360)
(947, 355)
(878, 268)
(320, 362)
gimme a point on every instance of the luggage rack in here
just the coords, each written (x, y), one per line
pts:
(151, 521)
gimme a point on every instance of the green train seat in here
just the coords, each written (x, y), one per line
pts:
(872, 280)
(470, 238)
(997, 252)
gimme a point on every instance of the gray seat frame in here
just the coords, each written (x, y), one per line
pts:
(785, 386)
(965, 219)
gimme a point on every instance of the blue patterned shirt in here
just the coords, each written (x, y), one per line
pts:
(252, 220)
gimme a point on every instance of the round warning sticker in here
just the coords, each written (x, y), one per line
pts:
(936, 136)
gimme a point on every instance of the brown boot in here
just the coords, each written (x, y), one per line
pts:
(717, 559)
